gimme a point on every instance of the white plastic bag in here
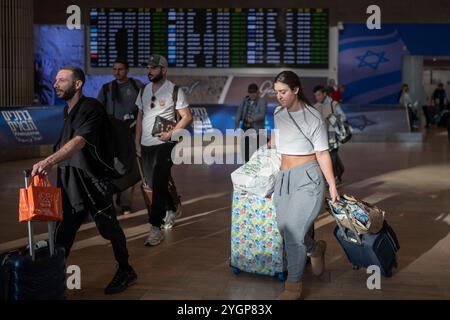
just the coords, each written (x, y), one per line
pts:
(258, 175)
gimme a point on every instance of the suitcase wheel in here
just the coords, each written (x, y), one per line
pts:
(281, 276)
(355, 267)
(235, 270)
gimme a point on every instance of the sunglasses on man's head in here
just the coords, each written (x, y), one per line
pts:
(153, 102)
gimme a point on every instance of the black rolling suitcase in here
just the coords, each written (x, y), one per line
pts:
(364, 250)
(33, 273)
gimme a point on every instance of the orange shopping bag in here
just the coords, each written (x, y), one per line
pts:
(40, 201)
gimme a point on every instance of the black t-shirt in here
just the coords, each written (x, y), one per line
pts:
(84, 177)
(87, 119)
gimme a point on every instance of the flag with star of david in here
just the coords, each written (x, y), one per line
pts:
(370, 64)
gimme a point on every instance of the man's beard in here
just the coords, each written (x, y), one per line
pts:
(156, 78)
(69, 93)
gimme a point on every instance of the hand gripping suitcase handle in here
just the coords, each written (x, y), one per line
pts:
(50, 224)
(343, 229)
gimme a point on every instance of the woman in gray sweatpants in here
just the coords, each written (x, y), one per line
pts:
(301, 138)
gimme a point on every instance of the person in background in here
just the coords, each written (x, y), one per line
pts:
(428, 109)
(252, 112)
(440, 98)
(119, 97)
(337, 95)
(326, 106)
(331, 87)
(406, 101)
(157, 99)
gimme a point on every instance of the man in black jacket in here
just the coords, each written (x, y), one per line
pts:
(83, 173)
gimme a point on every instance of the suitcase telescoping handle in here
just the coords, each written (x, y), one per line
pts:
(50, 224)
(341, 227)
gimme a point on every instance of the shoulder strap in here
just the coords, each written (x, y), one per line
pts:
(298, 127)
(140, 94)
(134, 84)
(245, 107)
(105, 92)
(114, 95)
(331, 104)
(175, 99)
(105, 89)
(334, 104)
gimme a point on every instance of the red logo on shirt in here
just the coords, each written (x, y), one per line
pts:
(162, 103)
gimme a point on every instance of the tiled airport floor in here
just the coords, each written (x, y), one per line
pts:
(410, 181)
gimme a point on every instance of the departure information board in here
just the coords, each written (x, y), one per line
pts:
(210, 38)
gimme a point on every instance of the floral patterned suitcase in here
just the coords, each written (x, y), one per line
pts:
(256, 243)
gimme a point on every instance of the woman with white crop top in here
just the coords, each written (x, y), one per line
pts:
(299, 190)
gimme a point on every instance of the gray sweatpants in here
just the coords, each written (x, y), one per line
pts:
(298, 199)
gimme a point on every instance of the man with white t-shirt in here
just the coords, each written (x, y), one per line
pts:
(157, 99)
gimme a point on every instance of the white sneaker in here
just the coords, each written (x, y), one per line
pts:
(169, 220)
(155, 237)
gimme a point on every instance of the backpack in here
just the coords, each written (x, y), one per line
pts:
(120, 143)
(119, 148)
(343, 129)
(113, 84)
(113, 87)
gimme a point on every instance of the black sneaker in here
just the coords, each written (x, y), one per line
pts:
(122, 279)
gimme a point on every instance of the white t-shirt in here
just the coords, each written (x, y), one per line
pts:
(291, 141)
(163, 107)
